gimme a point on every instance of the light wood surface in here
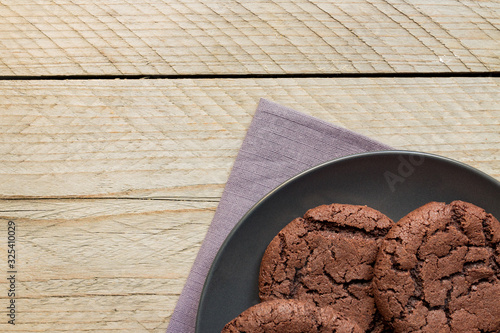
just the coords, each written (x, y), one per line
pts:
(143, 138)
(112, 184)
(41, 37)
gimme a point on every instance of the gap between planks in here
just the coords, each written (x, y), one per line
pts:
(191, 199)
(253, 76)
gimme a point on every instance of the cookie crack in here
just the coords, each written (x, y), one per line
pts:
(340, 229)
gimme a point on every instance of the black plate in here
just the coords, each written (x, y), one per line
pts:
(393, 182)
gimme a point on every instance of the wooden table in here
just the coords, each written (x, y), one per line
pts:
(119, 124)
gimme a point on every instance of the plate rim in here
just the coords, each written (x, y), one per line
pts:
(311, 170)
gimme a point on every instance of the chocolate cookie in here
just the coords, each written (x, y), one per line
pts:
(438, 270)
(290, 316)
(327, 257)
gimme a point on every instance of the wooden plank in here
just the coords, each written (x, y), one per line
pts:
(41, 37)
(166, 138)
(103, 268)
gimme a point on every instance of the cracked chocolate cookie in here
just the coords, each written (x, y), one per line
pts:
(290, 316)
(438, 270)
(327, 257)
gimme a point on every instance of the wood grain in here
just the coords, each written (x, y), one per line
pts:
(150, 137)
(151, 37)
(109, 270)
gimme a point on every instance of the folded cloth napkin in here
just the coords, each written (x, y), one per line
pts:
(280, 143)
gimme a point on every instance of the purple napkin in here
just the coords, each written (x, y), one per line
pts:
(280, 143)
